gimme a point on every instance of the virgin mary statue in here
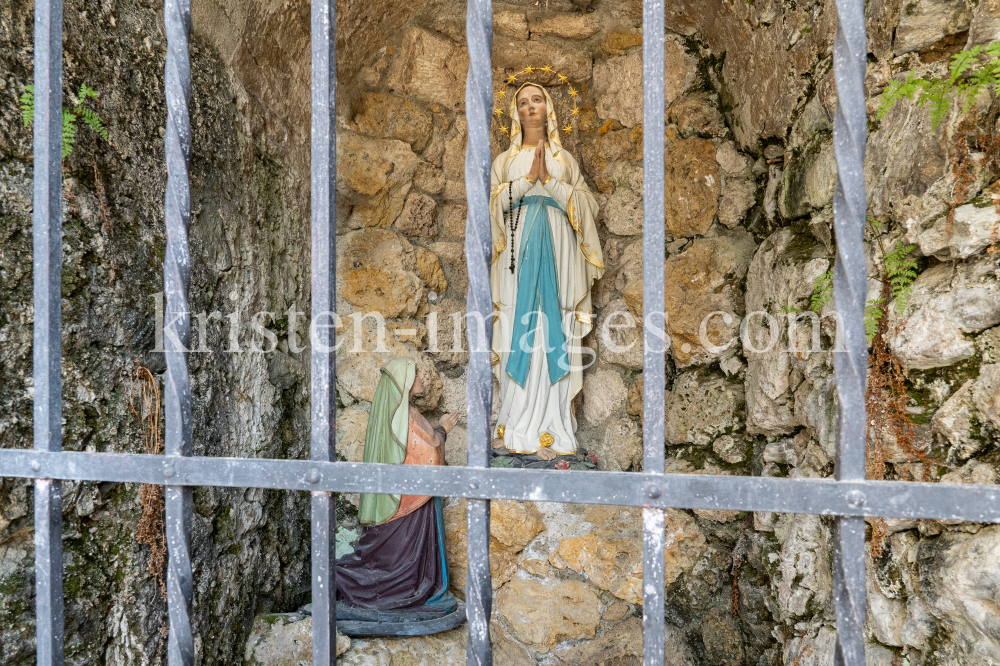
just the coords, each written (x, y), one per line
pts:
(546, 256)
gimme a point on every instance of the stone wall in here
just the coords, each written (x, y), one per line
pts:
(749, 182)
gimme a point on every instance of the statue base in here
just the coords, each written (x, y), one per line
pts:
(580, 460)
(409, 622)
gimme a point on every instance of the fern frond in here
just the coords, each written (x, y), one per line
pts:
(28, 105)
(93, 121)
(895, 91)
(85, 92)
(68, 132)
(822, 292)
(963, 60)
(872, 314)
(902, 273)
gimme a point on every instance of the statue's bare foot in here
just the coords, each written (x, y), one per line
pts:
(497, 443)
(546, 454)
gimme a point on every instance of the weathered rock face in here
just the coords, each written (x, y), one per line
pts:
(542, 613)
(699, 408)
(749, 177)
(781, 277)
(284, 639)
(948, 302)
(249, 242)
(611, 555)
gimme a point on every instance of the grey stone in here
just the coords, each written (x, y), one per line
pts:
(815, 408)
(616, 340)
(618, 82)
(419, 216)
(813, 120)
(947, 302)
(924, 22)
(976, 402)
(811, 649)
(783, 452)
(885, 616)
(985, 25)
(729, 449)
(806, 580)
(701, 407)
(620, 449)
(988, 344)
(604, 394)
(738, 196)
(777, 279)
(284, 371)
(808, 181)
(623, 212)
(973, 228)
(774, 176)
(960, 581)
(731, 161)
(284, 639)
(878, 655)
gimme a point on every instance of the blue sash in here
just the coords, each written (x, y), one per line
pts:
(537, 290)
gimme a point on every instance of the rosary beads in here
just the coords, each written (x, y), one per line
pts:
(516, 220)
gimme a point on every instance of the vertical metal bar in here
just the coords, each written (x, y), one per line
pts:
(850, 286)
(653, 372)
(177, 329)
(47, 341)
(479, 384)
(324, 272)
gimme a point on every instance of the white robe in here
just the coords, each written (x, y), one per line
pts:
(526, 414)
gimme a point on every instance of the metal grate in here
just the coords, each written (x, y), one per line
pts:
(848, 496)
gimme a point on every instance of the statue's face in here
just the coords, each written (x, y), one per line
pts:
(418, 385)
(531, 108)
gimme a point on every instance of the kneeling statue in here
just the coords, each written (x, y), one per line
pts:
(398, 567)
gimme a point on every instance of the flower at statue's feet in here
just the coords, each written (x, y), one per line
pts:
(562, 464)
(592, 458)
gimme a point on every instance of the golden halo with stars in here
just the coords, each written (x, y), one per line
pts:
(522, 78)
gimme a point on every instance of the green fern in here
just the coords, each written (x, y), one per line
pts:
(28, 105)
(902, 272)
(822, 292)
(970, 72)
(69, 117)
(93, 121)
(872, 315)
(68, 132)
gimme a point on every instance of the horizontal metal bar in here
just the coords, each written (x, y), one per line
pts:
(897, 499)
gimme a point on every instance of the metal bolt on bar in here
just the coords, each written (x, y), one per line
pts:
(479, 383)
(324, 271)
(47, 351)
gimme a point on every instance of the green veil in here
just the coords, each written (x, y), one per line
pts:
(385, 438)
